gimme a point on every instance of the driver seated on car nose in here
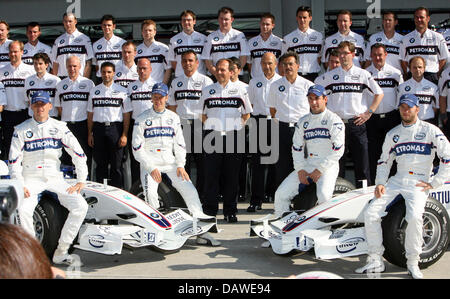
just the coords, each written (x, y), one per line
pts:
(34, 159)
(158, 145)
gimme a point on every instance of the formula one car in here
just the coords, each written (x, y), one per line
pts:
(335, 229)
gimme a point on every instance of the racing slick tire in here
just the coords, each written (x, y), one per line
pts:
(169, 198)
(308, 197)
(49, 218)
(436, 225)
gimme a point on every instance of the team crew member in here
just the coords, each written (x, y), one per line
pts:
(226, 108)
(258, 94)
(348, 85)
(34, 46)
(344, 21)
(288, 103)
(34, 160)
(386, 116)
(388, 37)
(412, 181)
(265, 42)
(140, 94)
(42, 80)
(109, 47)
(158, 144)
(73, 42)
(321, 134)
(4, 43)
(126, 69)
(444, 101)
(225, 42)
(13, 76)
(187, 40)
(307, 43)
(428, 44)
(425, 90)
(108, 122)
(71, 100)
(155, 51)
(333, 60)
(184, 97)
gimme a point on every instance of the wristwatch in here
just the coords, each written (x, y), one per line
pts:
(370, 111)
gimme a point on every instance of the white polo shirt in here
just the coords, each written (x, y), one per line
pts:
(29, 51)
(258, 93)
(224, 106)
(47, 83)
(258, 47)
(392, 47)
(431, 46)
(426, 91)
(72, 96)
(185, 92)
(108, 103)
(107, 51)
(13, 80)
(388, 78)
(333, 41)
(308, 45)
(4, 53)
(219, 45)
(158, 53)
(444, 86)
(67, 45)
(140, 94)
(290, 100)
(3, 101)
(347, 90)
(183, 42)
(125, 75)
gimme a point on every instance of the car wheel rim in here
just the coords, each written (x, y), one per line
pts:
(431, 232)
(38, 226)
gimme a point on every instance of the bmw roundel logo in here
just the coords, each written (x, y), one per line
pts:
(179, 41)
(148, 122)
(134, 87)
(255, 44)
(99, 47)
(212, 91)
(61, 42)
(65, 86)
(259, 84)
(216, 38)
(379, 39)
(97, 92)
(412, 40)
(155, 215)
(407, 88)
(179, 84)
(119, 74)
(295, 40)
(31, 83)
(25, 51)
(6, 74)
(282, 88)
(395, 138)
(140, 51)
(29, 134)
(305, 124)
(334, 41)
(335, 77)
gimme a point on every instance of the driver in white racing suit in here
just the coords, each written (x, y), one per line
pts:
(413, 145)
(34, 156)
(321, 134)
(159, 146)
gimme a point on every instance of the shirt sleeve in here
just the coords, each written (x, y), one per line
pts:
(384, 164)
(443, 152)
(73, 148)
(337, 138)
(16, 156)
(137, 143)
(179, 146)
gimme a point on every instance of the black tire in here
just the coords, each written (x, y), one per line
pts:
(309, 198)
(169, 197)
(49, 218)
(436, 240)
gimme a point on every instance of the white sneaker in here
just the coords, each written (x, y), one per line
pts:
(415, 272)
(64, 258)
(374, 264)
(207, 239)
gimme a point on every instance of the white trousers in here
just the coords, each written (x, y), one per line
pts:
(74, 203)
(415, 200)
(290, 187)
(186, 189)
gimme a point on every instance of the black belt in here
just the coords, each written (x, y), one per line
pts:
(107, 123)
(383, 115)
(75, 122)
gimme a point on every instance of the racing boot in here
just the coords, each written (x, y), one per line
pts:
(62, 257)
(207, 239)
(374, 264)
(414, 271)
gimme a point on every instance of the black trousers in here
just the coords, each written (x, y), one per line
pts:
(446, 127)
(107, 153)
(10, 119)
(377, 127)
(356, 145)
(285, 164)
(263, 175)
(221, 164)
(135, 167)
(80, 131)
(192, 132)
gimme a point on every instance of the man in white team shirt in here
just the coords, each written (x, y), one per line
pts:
(157, 52)
(34, 46)
(225, 42)
(4, 43)
(140, 94)
(126, 69)
(444, 101)
(109, 47)
(187, 40)
(264, 42)
(307, 43)
(344, 22)
(388, 37)
(72, 42)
